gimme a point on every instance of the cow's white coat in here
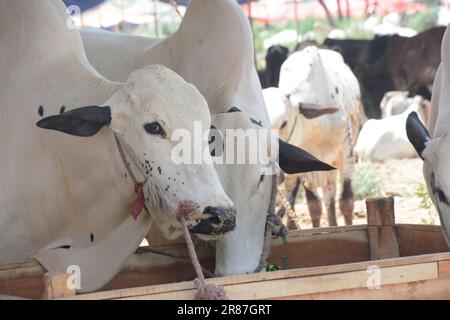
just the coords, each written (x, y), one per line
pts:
(67, 200)
(394, 103)
(213, 49)
(321, 77)
(386, 138)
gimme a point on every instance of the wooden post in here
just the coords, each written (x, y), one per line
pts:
(383, 238)
(55, 286)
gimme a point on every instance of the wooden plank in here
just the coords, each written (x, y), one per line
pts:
(316, 231)
(142, 261)
(30, 288)
(145, 269)
(139, 262)
(56, 286)
(383, 242)
(382, 234)
(415, 240)
(444, 269)
(284, 274)
(5, 297)
(419, 227)
(23, 264)
(380, 211)
(311, 285)
(175, 273)
(25, 279)
(322, 249)
(29, 268)
(436, 289)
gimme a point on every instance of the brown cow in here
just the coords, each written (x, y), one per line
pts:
(413, 62)
(391, 63)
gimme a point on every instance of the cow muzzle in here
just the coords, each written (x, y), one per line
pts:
(218, 221)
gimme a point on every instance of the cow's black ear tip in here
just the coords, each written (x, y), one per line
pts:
(44, 123)
(322, 166)
(327, 167)
(312, 167)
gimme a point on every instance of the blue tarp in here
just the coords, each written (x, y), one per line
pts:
(83, 4)
(88, 4)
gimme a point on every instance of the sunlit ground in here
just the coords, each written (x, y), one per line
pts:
(400, 178)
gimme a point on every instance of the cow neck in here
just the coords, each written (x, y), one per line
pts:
(274, 224)
(139, 203)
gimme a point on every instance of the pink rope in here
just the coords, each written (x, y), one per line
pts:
(205, 291)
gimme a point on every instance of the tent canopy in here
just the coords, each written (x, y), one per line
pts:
(270, 11)
(89, 4)
(83, 4)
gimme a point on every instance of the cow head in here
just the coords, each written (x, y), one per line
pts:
(303, 83)
(144, 113)
(436, 156)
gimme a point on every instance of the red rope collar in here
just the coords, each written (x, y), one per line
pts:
(139, 203)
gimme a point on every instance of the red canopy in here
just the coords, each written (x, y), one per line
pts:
(267, 11)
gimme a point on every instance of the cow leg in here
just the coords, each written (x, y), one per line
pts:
(292, 185)
(329, 195)
(346, 202)
(314, 205)
(345, 165)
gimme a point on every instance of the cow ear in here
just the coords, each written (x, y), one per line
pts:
(81, 122)
(417, 133)
(311, 110)
(295, 160)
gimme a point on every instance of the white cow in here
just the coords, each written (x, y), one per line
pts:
(66, 200)
(317, 82)
(386, 138)
(396, 102)
(393, 103)
(434, 147)
(213, 49)
(277, 107)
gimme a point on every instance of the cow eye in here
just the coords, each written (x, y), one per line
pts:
(441, 196)
(154, 128)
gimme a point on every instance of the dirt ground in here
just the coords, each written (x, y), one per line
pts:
(399, 178)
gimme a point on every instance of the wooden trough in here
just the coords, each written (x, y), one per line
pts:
(410, 262)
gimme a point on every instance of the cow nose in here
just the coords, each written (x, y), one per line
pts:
(220, 220)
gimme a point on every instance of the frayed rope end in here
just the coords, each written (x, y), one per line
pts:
(209, 291)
